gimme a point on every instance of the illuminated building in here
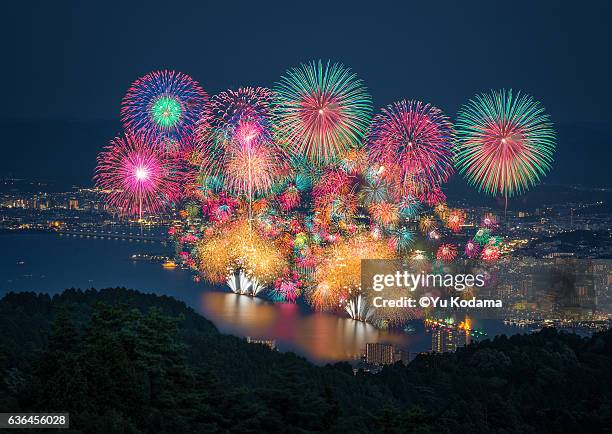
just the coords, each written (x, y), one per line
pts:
(443, 340)
(270, 343)
(446, 336)
(379, 354)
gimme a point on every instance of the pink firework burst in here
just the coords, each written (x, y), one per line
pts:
(290, 198)
(237, 143)
(472, 249)
(489, 221)
(251, 161)
(432, 196)
(137, 175)
(412, 142)
(288, 288)
(446, 252)
(228, 108)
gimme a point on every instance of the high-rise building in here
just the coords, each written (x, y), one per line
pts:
(448, 340)
(379, 354)
(73, 204)
(444, 340)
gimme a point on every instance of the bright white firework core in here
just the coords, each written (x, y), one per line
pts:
(141, 173)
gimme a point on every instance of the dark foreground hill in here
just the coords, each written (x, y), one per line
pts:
(122, 361)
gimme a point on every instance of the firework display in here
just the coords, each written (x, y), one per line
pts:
(322, 111)
(236, 143)
(455, 220)
(446, 252)
(281, 193)
(166, 103)
(412, 143)
(505, 142)
(138, 176)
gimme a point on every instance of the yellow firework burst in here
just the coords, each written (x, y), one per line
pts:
(427, 223)
(240, 248)
(340, 271)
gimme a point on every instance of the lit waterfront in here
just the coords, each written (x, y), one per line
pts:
(318, 336)
(51, 263)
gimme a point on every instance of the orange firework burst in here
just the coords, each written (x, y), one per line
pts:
(455, 220)
(322, 297)
(384, 213)
(442, 210)
(355, 161)
(215, 256)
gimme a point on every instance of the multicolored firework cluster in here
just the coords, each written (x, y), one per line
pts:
(283, 192)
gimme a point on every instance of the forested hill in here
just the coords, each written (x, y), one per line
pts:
(122, 361)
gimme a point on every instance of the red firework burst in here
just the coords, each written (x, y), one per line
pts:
(446, 252)
(384, 213)
(490, 253)
(290, 198)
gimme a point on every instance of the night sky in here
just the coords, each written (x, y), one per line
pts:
(67, 65)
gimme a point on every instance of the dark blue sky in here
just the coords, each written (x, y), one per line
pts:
(69, 61)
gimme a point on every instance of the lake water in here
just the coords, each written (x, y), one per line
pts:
(52, 262)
